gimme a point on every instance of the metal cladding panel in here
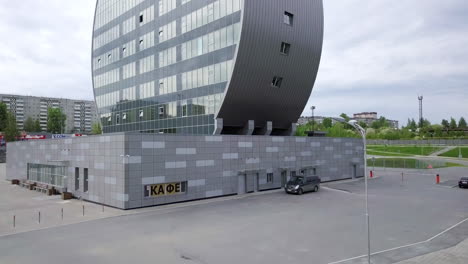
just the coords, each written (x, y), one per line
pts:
(250, 95)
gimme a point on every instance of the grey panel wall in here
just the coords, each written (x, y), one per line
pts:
(250, 95)
(120, 165)
(100, 154)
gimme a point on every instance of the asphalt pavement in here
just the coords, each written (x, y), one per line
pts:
(321, 227)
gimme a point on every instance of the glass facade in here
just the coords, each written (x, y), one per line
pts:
(162, 66)
(47, 174)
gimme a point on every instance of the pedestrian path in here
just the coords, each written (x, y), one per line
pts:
(442, 151)
(454, 255)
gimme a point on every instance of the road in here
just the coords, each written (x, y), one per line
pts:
(318, 227)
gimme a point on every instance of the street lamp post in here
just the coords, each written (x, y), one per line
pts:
(313, 119)
(362, 132)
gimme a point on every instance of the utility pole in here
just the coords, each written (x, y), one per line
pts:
(421, 120)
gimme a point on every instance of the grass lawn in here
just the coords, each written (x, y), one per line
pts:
(408, 150)
(383, 153)
(454, 153)
(410, 163)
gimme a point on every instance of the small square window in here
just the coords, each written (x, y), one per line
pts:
(277, 81)
(288, 18)
(161, 110)
(285, 47)
(141, 18)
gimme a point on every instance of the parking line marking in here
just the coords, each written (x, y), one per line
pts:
(409, 245)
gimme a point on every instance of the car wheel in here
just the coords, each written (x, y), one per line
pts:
(316, 188)
(300, 192)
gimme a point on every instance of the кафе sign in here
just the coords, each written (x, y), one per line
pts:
(164, 189)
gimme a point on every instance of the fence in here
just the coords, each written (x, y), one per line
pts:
(448, 142)
(406, 163)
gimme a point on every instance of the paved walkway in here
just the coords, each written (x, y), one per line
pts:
(454, 255)
(442, 151)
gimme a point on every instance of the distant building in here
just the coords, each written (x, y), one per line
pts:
(307, 119)
(371, 117)
(80, 114)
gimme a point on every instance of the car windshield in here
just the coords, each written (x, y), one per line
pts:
(296, 180)
(464, 178)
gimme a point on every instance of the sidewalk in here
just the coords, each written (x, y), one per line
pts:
(454, 255)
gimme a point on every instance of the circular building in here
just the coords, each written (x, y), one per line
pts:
(205, 66)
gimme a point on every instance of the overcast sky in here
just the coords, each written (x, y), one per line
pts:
(378, 55)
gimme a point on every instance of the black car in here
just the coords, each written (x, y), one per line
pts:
(463, 183)
(302, 184)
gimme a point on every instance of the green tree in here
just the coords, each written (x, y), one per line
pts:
(97, 130)
(462, 123)
(445, 123)
(345, 117)
(362, 124)
(382, 122)
(29, 125)
(3, 116)
(37, 126)
(453, 123)
(327, 122)
(55, 120)
(413, 126)
(11, 129)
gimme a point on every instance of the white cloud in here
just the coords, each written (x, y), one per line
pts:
(381, 55)
(378, 55)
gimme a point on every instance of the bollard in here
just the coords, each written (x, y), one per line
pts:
(437, 179)
(14, 221)
(39, 217)
(83, 210)
(371, 174)
(62, 214)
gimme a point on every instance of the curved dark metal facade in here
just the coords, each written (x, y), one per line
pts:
(175, 66)
(250, 95)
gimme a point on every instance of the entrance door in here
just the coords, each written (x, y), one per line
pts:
(256, 182)
(284, 178)
(241, 184)
(354, 171)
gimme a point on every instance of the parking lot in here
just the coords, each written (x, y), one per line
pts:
(321, 227)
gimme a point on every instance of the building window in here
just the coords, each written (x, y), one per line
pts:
(141, 19)
(314, 171)
(161, 111)
(288, 18)
(293, 173)
(285, 48)
(277, 81)
(124, 116)
(117, 119)
(161, 33)
(141, 42)
(124, 49)
(269, 177)
(141, 114)
(85, 174)
(77, 179)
